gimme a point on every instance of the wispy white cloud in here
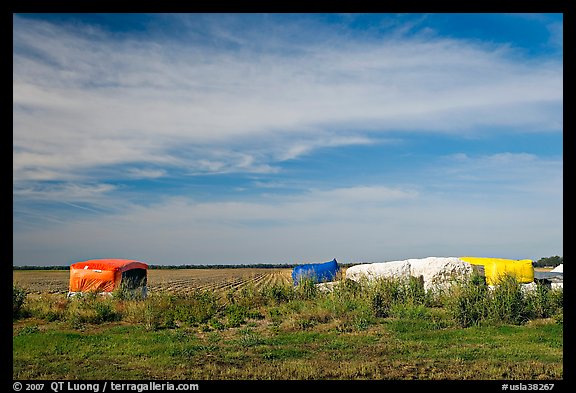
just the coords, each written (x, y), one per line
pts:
(84, 98)
(521, 173)
(357, 224)
(93, 108)
(298, 148)
(141, 173)
(63, 192)
(220, 161)
(39, 205)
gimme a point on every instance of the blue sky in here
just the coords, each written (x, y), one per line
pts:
(286, 138)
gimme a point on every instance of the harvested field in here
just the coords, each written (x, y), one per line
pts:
(42, 281)
(185, 280)
(287, 333)
(169, 280)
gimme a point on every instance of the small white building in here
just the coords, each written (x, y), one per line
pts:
(558, 269)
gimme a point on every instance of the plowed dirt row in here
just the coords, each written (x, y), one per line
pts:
(169, 280)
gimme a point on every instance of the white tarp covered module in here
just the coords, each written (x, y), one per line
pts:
(558, 269)
(437, 272)
(393, 269)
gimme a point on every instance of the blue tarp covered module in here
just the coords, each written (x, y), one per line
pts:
(318, 272)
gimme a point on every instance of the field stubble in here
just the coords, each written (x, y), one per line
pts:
(180, 281)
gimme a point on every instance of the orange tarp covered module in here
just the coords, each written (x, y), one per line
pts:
(100, 275)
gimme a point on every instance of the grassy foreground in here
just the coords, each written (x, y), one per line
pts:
(385, 330)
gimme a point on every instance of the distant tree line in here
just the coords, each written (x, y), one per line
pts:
(542, 262)
(189, 266)
(223, 266)
(548, 261)
(28, 267)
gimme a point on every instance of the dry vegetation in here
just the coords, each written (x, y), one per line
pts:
(253, 324)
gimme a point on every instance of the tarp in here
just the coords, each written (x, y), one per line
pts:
(436, 272)
(317, 272)
(101, 275)
(495, 268)
(558, 269)
(439, 272)
(391, 269)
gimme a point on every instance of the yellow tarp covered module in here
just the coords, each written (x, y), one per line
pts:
(494, 268)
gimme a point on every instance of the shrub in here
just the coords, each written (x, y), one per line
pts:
(379, 305)
(28, 330)
(18, 297)
(104, 312)
(391, 289)
(88, 308)
(50, 308)
(467, 301)
(559, 318)
(544, 302)
(556, 300)
(409, 311)
(157, 311)
(248, 296)
(384, 293)
(506, 302)
(216, 324)
(381, 293)
(249, 338)
(538, 302)
(151, 317)
(236, 315)
(349, 289)
(413, 291)
(306, 289)
(275, 315)
(361, 322)
(196, 307)
(133, 311)
(278, 293)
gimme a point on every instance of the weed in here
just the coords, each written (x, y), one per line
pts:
(18, 298)
(379, 305)
(216, 324)
(414, 292)
(195, 308)
(104, 312)
(275, 316)
(409, 311)
(235, 315)
(306, 289)
(559, 318)
(28, 330)
(506, 302)
(468, 302)
(538, 302)
(279, 293)
(249, 338)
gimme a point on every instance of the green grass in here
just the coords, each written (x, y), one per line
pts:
(381, 330)
(131, 352)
